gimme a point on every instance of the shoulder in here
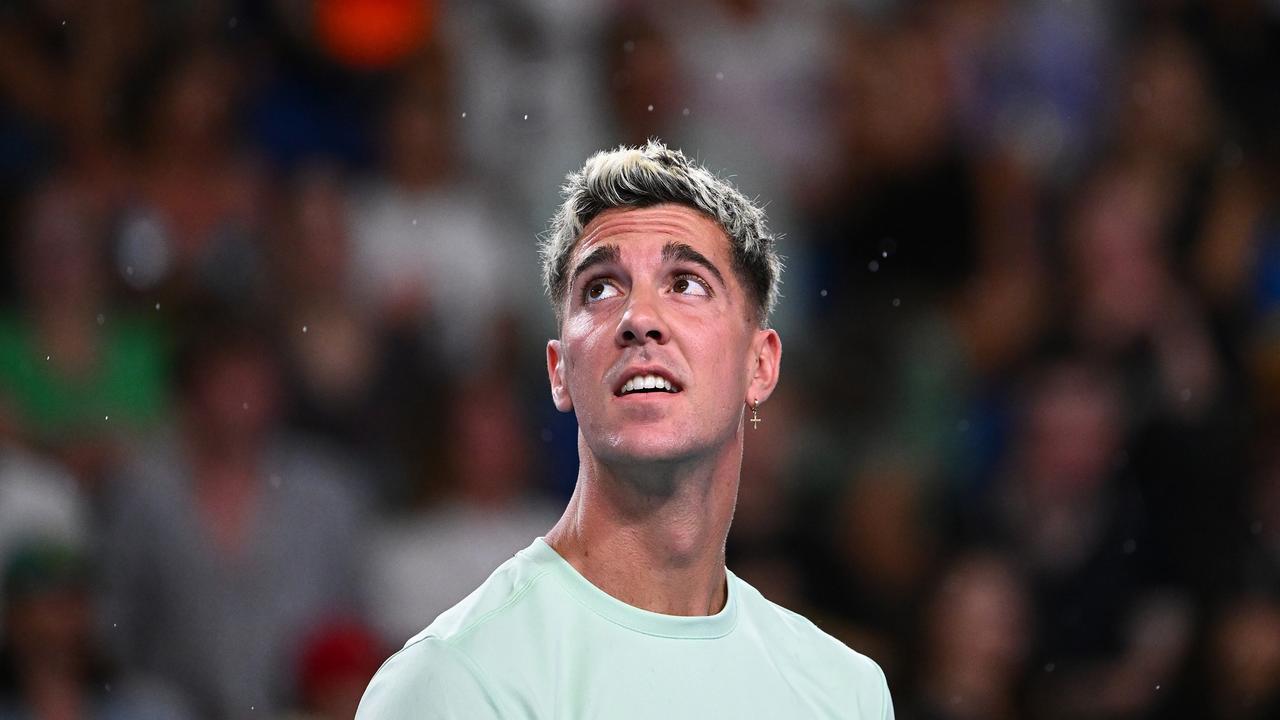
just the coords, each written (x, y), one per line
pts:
(496, 601)
(808, 648)
(442, 671)
(428, 678)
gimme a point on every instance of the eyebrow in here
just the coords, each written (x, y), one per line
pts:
(684, 252)
(602, 255)
(672, 251)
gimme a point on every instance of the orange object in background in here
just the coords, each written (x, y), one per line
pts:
(373, 34)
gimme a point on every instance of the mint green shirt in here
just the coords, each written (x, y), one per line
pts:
(538, 640)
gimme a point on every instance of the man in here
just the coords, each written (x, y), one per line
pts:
(662, 277)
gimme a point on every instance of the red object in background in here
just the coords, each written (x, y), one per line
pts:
(343, 653)
(373, 34)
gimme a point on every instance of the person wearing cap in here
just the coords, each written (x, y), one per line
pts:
(663, 277)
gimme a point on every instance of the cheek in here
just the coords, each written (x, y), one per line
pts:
(585, 360)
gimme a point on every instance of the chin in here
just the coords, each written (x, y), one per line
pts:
(649, 445)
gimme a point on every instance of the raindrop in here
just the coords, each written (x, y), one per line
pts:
(304, 328)
(415, 221)
(897, 302)
(233, 22)
(47, 357)
(719, 76)
(526, 116)
(685, 112)
(650, 108)
(823, 293)
(129, 270)
(464, 113)
(244, 406)
(1049, 667)
(157, 306)
(106, 686)
(101, 318)
(874, 265)
(106, 417)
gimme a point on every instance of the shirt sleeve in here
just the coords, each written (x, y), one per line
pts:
(428, 680)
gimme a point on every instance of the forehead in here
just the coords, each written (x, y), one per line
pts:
(666, 222)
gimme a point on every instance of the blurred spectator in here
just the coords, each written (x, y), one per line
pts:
(1027, 78)
(1128, 305)
(900, 152)
(349, 377)
(61, 65)
(430, 250)
(80, 375)
(422, 565)
(51, 665)
(226, 539)
(753, 70)
(879, 554)
(195, 206)
(644, 80)
(38, 499)
(1108, 632)
(977, 638)
(528, 80)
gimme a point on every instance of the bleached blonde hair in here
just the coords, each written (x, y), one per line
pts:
(637, 177)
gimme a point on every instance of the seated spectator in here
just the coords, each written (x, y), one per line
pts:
(80, 376)
(366, 385)
(227, 538)
(422, 565)
(51, 665)
(430, 250)
(975, 642)
(37, 499)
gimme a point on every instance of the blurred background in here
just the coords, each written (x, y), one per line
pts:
(272, 385)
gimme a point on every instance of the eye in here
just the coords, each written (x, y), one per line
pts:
(690, 285)
(599, 290)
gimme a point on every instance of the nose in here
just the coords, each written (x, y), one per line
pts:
(642, 322)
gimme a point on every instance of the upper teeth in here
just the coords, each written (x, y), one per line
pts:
(648, 382)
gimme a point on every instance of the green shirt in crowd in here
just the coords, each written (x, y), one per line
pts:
(538, 640)
(125, 390)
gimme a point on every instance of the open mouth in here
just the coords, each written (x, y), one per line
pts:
(647, 384)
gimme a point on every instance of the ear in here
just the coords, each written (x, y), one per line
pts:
(766, 361)
(556, 374)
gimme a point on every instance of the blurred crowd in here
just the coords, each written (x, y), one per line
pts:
(272, 383)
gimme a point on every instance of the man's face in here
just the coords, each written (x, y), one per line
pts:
(653, 296)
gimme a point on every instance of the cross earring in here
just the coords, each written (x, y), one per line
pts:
(755, 415)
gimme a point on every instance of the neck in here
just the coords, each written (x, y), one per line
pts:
(652, 535)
